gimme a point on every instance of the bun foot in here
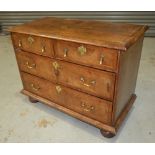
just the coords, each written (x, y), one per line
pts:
(32, 100)
(107, 134)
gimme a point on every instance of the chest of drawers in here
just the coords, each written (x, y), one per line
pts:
(87, 69)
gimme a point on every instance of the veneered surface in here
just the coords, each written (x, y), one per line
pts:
(70, 98)
(91, 58)
(69, 75)
(106, 34)
(36, 46)
(128, 70)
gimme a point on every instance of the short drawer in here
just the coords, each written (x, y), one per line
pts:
(36, 65)
(82, 103)
(97, 57)
(35, 44)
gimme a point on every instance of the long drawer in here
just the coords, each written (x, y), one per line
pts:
(89, 80)
(82, 103)
(36, 65)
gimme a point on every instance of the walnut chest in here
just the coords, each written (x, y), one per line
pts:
(87, 69)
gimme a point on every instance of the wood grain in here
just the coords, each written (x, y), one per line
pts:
(84, 104)
(128, 70)
(70, 112)
(124, 112)
(40, 45)
(102, 87)
(82, 78)
(91, 58)
(95, 84)
(37, 65)
(111, 35)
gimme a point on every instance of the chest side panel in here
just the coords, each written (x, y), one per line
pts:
(127, 76)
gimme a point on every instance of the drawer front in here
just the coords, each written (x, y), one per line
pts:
(97, 57)
(89, 80)
(38, 45)
(36, 65)
(87, 105)
(92, 81)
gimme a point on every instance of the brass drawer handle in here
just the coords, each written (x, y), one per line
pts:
(30, 66)
(30, 40)
(43, 49)
(87, 108)
(56, 67)
(58, 89)
(34, 87)
(93, 82)
(20, 43)
(101, 59)
(82, 50)
(65, 52)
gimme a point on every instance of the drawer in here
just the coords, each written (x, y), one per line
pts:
(38, 45)
(89, 80)
(82, 103)
(97, 57)
(36, 65)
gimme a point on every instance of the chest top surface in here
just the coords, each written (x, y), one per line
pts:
(111, 35)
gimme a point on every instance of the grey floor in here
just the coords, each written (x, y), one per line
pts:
(22, 121)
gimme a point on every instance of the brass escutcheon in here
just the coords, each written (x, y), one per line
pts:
(58, 89)
(56, 65)
(30, 39)
(82, 50)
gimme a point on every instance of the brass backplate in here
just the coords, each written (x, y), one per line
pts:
(82, 50)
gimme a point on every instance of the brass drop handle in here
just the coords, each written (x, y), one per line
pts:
(20, 43)
(56, 67)
(93, 82)
(35, 88)
(87, 108)
(30, 66)
(58, 89)
(43, 49)
(30, 40)
(82, 50)
(65, 52)
(101, 59)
